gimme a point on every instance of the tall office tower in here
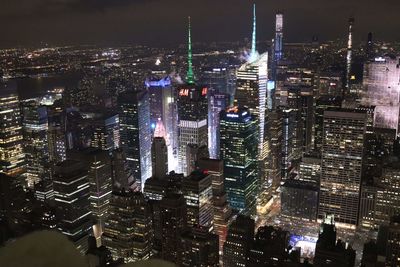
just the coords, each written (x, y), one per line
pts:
(159, 157)
(193, 154)
(342, 152)
(388, 243)
(310, 168)
(199, 248)
(382, 90)
(106, 133)
(299, 200)
(100, 181)
(56, 135)
(122, 177)
(251, 92)
(328, 250)
(278, 42)
(128, 230)
(197, 190)
(216, 103)
(35, 126)
(221, 208)
(322, 104)
(71, 192)
(173, 222)
(163, 110)
(369, 47)
(135, 133)
(192, 113)
(12, 158)
(239, 139)
(349, 54)
(238, 242)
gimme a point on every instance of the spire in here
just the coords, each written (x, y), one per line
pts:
(253, 37)
(189, 75)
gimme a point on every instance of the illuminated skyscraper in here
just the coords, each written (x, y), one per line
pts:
(71, 191)
(35, 130)
(163, 111)
(278, 42)
(135, 133)
(106, 134)
(128, 231)
(192, 114)
(239, 137)
(342, 152)
(216, 103)
(251, 92)
(11, 150)
(197, 190)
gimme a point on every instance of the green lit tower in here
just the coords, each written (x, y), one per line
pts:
(190, 74)
(192, 113)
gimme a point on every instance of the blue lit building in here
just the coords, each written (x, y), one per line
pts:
(239, 139)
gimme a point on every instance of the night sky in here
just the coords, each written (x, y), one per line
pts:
(163, 22)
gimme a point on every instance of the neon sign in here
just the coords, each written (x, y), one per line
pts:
(184, 92)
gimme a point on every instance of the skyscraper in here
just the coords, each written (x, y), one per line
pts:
(100, 181)
(35, 127)
(342, 151)
(278, 42)
(216, 103)
(197, 190)
(199, 248)
(159, 157)
(163, 111)
(239, 139)
(135, 133)
(238, 242)
(192, 114)
(71, 191)
(11, 151)
(128, 230)
(221, 210)
(173, 223)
